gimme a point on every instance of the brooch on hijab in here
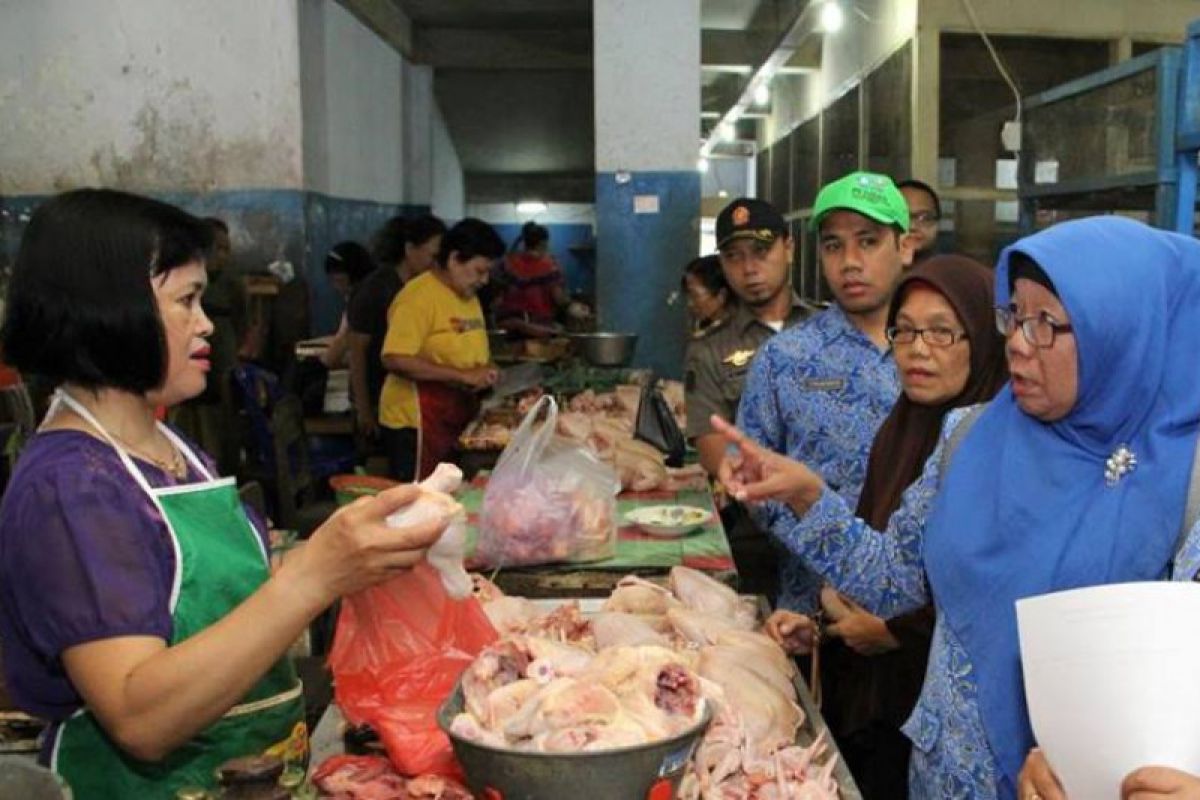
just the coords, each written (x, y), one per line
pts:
(1119, 464)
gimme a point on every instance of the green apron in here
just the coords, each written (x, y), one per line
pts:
(219, 562)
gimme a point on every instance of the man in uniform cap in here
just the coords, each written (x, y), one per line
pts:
(755, 250)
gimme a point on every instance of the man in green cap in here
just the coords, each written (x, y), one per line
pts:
(819, 391)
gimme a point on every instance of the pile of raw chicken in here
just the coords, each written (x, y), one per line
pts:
(605, 423)
(640, 670)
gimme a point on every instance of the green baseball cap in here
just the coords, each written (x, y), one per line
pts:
(867, 193)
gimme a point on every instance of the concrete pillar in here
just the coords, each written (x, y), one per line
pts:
(647, 73)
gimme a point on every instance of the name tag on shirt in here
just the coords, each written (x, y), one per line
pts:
(823, 384)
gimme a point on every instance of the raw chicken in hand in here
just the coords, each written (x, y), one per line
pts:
(446, 554)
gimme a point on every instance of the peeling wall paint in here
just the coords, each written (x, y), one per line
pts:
(120, 93)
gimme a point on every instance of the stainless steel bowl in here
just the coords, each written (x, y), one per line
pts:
(605, 349)
(626, 773)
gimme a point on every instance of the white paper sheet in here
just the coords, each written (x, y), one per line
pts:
(1112, 679)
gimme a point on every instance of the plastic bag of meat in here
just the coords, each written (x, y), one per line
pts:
(397, 654)
(549, 499)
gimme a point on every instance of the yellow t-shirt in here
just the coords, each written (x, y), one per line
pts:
(428, 319)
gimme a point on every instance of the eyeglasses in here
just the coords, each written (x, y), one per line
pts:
(934, 337)
(925, 218)
(1039, 330)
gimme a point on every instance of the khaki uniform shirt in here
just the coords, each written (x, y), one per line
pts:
(718, 360)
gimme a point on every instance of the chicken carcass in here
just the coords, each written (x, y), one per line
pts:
(635, 595)
(562, 703)
(615, 628)
(699, 592)
(434, 502)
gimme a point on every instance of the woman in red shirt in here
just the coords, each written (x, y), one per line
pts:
(533, 287)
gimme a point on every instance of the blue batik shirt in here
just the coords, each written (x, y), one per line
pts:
(884, 572)
(817, 392)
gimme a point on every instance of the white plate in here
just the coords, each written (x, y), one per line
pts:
(668, 521)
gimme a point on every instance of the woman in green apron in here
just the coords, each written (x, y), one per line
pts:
(138, 609)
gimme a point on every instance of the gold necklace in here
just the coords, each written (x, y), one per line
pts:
(176, 466)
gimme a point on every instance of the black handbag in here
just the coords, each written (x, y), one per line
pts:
(657, 427)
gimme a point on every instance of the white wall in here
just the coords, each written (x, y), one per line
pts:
(647, 57)
(847, 57)
(448, 199)
(191, 95)
(354, 130)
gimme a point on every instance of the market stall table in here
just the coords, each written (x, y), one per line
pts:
(706, 549)
(328, 738)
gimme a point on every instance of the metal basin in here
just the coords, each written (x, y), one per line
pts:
(606, 349)
(645, 772)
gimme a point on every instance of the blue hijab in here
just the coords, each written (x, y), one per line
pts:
(1025, 508)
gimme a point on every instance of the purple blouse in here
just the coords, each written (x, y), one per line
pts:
(84, 555)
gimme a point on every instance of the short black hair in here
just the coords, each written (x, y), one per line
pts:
(469, 238)
(217, 223)
(707, 270)
(1021, 265)
(351, 259)
(533, 235)
(81, 307)
(389, 241)
(913, 183)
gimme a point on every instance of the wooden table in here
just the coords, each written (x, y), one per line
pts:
(649, 556)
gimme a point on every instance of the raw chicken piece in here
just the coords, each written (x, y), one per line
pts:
(715, 658)
(503, 703)
(564, 624)
(619, 732)
(465, 725)
(698, 627)
(553, 659)
(446, 554)
(654, 685)
(770, 717)
(446, 478)
(700, 592)
(613, 628)
(575, 426)
(562, 703)
(510, 615)
(691, 478)
(759, 646)
(436, 787)
(498, 665)
(636, 595)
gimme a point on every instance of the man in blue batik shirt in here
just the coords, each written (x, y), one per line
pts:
(818, 392)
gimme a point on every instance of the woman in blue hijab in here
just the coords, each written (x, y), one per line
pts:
(1075, 475)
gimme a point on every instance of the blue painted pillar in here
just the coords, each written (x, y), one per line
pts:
(647, 73)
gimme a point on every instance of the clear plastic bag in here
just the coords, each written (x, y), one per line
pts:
(548, 500)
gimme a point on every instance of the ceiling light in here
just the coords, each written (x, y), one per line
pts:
(531, 207)
(702, 165)
(832, 17)
(728, 131)
(722, 193)
(762, 95)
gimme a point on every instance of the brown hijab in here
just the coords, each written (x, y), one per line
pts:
(910, 433)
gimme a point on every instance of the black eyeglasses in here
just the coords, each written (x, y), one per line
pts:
(934, 337)
(925, 218)
(1039, 330)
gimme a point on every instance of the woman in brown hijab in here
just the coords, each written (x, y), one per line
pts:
(949, 355)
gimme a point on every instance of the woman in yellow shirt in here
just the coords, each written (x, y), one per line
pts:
(436, 353)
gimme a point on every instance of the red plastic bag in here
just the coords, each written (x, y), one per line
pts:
(397, 654)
